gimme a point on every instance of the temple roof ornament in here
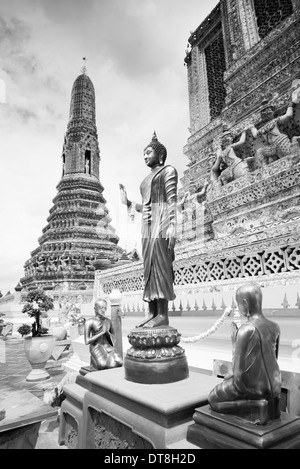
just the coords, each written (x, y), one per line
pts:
(82, 101)
(83, 68)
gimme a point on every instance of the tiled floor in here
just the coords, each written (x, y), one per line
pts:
(14, 368)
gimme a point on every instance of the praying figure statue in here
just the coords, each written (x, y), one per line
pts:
(253, 389)
(159, 210)
(99, 334)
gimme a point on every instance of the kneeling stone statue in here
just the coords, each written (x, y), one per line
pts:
(99, 334)
(253, 390)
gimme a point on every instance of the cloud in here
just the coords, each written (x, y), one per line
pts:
(14, 34)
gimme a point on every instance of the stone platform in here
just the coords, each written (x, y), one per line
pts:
(212, 430)
(139, 415)
(24, 413)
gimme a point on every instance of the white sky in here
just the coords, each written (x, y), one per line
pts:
(135, 51)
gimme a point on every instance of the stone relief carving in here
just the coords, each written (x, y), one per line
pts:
(228, 165)
(110, 434)
(275, 142)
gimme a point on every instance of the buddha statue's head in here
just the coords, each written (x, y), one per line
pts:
(155, 153)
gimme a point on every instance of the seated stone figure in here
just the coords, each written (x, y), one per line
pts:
(100, 335)
(253, 390)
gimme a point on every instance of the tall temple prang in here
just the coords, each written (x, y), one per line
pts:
(78, 232)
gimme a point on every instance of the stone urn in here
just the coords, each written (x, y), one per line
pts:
(59, 332)
(102, 264)
(38, 350)
(74, 332)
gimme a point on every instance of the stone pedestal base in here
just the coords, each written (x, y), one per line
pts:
(156, 372)
(86, 369)
(212, 430)
(155, 356)
(37, 374)
(24, 413)
(122, 414)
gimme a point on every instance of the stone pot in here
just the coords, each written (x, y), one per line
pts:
(74, 332)
(38, 350)
(59, 332)
(102, 264)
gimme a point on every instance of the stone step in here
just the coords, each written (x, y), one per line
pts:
(182, 444)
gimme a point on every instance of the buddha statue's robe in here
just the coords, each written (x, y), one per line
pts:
(158, 192)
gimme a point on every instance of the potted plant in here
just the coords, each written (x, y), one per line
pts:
(24, 329)
(39, 345)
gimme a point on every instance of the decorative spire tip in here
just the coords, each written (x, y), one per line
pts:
(83, 68)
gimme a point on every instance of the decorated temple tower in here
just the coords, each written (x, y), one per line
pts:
(78, 235)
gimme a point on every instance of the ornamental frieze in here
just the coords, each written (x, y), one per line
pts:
(204, 137)
(202, 132)
(263, 43)
(244, 84)
(282, 168)
(201, 154)
(266, 63)
(287, 230)
(261, 262)
(278, 248)
(274, 209)
(254, 193)
(255, 98)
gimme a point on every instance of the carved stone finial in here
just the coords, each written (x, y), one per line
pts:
(83, 68)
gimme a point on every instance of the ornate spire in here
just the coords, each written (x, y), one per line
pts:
(83, 68)
(82, 104)
(78, 229)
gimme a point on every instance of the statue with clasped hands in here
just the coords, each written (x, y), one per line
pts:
(253, 390)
